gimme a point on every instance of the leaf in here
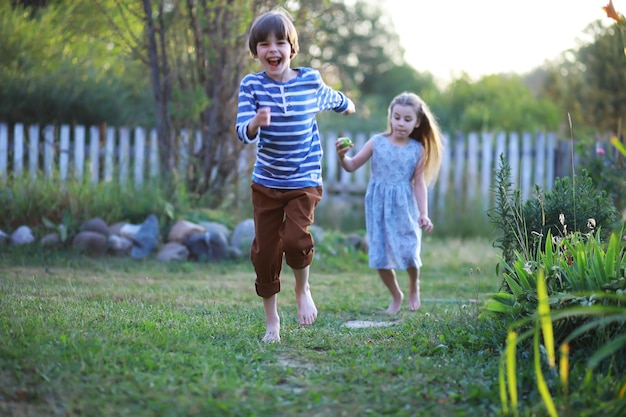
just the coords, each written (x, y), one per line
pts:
(511, 345)
(542, 386)
(48, 223)
(606, 350)
(544, 318)
(615, 141)
(610, 11)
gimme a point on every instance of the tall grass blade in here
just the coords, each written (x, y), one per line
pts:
(542, 386)
(607, 350)
(545, 319)
(564, 368)
(504, 399)
(511, 368)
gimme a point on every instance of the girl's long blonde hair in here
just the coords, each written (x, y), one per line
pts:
(428, 133)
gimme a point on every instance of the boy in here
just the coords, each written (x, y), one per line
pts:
(277, 109)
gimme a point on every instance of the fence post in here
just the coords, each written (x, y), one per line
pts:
(94, 154)
(124, 155)
(459, 165)
(332, 160)
(550, 168)
(4, 150)
(109, 154)
(18, 148)
(48, 151)
(486, 168)
(444, 176)
(33, 151)
(472, 166)
(540, 160)
(64, 160)
(526, 169)
(514, 158)
(140, 148)
(154, 154)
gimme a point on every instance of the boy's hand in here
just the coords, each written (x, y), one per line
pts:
(262, 117)
(351, 109)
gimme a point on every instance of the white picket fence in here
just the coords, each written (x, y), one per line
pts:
(469, 166)
(130, 155)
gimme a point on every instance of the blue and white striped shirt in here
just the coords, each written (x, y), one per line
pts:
(289, 152)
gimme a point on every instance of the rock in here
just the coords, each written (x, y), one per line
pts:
(243, 235)
(119, 245)
(51, 239)
(116, 228)
(23, 235)
(96, 225)
(93, 243)
(208, 247)
(215, 227)
(173, 251)
(129, 230)
(182, 230)
(146, 239)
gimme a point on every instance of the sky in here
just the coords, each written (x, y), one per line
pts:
(481, 37)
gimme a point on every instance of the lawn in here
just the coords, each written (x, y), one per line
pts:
(115, 337)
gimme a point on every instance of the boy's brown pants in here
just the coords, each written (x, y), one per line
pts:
(281, 222)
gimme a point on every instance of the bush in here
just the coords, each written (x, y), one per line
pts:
(570, 206)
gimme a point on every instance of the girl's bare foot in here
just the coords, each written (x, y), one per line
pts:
(396, 303)
(307, 311)
(414, 301)
(414, 289)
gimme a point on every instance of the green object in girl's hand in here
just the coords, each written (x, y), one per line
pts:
(345, 142)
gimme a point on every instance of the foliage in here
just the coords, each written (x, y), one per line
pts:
(588, 83)
(607, 169)
(355, 44)
(506, 213)
(573, 295)
(487, 105)
(64, 205)
(118, 337)
(520, 226)
(52, 72)
(575, 199)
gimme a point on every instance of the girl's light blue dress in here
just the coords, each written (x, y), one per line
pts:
(391, 212)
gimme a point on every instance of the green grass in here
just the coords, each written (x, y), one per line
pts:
(116, 337)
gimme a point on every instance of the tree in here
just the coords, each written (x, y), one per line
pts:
(589, 83)
(53, 70)
(496, 102)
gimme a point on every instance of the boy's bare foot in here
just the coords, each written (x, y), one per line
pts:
(396, 303)
(414, 301)
(307, 311)
(272, 334)
(272, 320)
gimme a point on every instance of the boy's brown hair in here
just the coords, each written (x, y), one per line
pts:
(277, 22)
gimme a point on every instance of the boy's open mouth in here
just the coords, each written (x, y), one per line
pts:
(274, 62)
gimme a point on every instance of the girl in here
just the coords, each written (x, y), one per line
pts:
(405, 160)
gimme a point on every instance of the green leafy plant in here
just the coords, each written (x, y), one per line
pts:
(60, 229)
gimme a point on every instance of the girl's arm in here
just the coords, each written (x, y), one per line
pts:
(421, 195)
(351, 164)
